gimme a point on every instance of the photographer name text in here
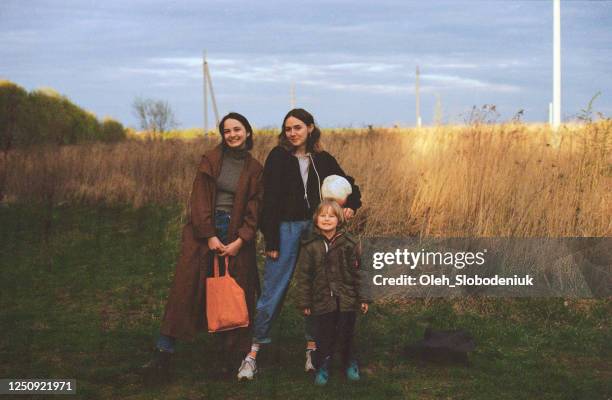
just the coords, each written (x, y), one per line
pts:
(453, 281)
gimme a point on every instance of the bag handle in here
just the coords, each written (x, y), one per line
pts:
(216, 266)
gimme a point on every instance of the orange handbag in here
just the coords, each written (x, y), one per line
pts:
(225, 302)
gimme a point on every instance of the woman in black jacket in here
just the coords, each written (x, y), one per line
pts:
(293, 174)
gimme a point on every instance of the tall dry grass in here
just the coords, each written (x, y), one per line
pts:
(485, 180)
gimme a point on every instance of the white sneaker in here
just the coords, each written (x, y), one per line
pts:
(247, 369)
(308, 366)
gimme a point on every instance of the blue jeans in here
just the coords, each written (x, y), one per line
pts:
(276, 279)
(222, 220)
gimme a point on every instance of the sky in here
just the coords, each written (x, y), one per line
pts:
(352, 62)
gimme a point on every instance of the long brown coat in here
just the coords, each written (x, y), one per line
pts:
(185, 309)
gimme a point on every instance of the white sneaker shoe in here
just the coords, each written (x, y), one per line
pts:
(247, 369)
(308, 366)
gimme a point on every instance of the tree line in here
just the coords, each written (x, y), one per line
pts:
(44, 116)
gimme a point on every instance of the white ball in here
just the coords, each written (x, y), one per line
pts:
(336, 188)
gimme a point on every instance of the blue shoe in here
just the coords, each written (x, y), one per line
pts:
(352, 372)
(322, 375)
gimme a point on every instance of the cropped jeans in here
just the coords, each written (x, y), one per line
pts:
(276, 279)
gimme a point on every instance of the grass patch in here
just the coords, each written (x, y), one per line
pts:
(83, 289)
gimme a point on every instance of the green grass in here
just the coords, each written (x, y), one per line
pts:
(83, 290)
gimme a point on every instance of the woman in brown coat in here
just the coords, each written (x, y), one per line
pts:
(224, 207)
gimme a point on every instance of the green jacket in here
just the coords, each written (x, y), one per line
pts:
(329, 271)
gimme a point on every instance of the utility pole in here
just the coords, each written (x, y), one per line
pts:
(212, 94)
(208, 86)
(556, 120)
(204, 76)
(418, 100)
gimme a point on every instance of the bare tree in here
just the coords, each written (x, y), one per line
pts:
(155, 115)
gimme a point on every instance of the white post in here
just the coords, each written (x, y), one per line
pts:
(556, 121)
(550, 114)
(418, 100)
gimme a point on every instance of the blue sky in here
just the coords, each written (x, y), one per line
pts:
(352, 62)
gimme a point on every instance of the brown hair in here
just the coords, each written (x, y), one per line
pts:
(312, 142)
(337, 210)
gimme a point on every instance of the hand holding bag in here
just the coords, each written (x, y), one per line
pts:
(225, 301)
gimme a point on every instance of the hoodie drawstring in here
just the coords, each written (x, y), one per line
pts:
(318, 177)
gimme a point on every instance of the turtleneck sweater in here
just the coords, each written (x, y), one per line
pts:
(231, 167)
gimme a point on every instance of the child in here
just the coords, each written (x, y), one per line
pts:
(329, 288)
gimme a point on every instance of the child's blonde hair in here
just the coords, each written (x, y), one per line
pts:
(336, 209)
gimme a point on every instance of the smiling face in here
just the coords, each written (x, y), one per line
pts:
(234, 134)
(327, 220)
(297, 132)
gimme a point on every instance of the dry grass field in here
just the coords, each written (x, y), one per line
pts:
(479, 180)
(90, 234)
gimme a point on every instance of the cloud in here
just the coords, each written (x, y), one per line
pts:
(22, 37)
(457, 65)
(365, 76)
(458, 82)
(363, 66)
(372, 88)
(158, 72)
(190, 62)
